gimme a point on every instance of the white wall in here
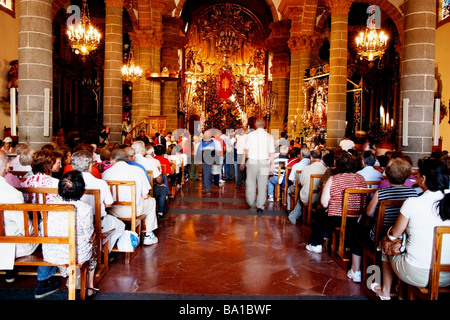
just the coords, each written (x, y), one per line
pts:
(9, 30)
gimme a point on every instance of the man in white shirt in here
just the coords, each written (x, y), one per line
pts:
(347, 144)
(299, 166)
(259, 151)
(145, 205)
(160, 189)
(316, 167)
(82, 161)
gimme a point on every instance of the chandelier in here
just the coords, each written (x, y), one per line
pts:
(83, 37)
(130, 72)
(371, 43)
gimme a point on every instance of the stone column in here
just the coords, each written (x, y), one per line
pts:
(174, 41)
(112, 95)
(277, 44)
(35, 70)
(148, 42)
(417, 76)
(303, 50)
(337, 84)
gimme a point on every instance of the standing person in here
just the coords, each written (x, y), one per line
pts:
(145, 205)
(143, 137)
(241, 139)
(259, 152)
(82, 161)
(104, 135)
(208, 151)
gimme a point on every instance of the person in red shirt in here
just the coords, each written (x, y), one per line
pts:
(166, 167)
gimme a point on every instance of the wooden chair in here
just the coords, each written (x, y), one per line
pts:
(297, 185)
(150, 174)
(18, 174)
(307, 207)
(287, 171)
(371, 255)
(432, 290)
(373, 184)
(134, 222)
(278, 186)
(338, 236)
(36, 212)
(102, 237)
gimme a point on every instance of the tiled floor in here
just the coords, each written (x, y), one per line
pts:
(216, 245)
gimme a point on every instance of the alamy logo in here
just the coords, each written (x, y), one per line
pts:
(75, 16)
(374, 19)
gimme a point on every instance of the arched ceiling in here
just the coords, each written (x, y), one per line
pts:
(193, 8)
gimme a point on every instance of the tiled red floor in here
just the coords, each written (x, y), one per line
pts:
(216, 245)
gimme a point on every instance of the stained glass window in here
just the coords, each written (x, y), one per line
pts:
(445, 9)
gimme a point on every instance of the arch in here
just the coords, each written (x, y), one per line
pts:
(388, 8)
(273, 9)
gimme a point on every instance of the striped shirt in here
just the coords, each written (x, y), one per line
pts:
(339, 183)
(283, 159)
(391, 213)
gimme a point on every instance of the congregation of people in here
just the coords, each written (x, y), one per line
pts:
(257, 164)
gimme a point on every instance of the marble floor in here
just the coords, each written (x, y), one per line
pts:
(215, 245)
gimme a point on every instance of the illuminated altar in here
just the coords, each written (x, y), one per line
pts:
(225, 79)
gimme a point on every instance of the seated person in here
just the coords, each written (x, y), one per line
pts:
(71, 188)
(397, 171)
(277, 177)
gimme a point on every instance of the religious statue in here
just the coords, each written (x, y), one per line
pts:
(12, 77)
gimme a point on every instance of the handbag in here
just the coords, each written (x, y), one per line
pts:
(393, 246)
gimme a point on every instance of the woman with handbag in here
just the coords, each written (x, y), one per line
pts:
(418, 217)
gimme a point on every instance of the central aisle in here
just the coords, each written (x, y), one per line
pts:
(215, 245)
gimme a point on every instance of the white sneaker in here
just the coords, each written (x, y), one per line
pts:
(150, 239)
(354, 275)
(270, 199)
(316, 249)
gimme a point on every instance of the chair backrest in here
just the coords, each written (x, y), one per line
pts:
(373, 183)
(150, 174)
(437, 266)
(314, 189)
(380, 229)
(118, 188)
(40, 195)
(287, 171)
(18, 174)
(36, 213)
(297, 185)
(363, 193)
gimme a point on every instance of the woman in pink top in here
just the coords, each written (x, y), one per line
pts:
(332, 198)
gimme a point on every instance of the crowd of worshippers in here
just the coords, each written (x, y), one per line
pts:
(252, 160)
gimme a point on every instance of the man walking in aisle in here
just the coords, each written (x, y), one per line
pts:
(259, 152)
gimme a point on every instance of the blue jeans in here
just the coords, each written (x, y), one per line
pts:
(43, 273)
(160, 193)
(273, 181)
(206, 176)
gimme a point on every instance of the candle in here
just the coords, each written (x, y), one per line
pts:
(12, 98)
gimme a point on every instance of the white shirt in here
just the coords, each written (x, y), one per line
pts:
(14, 222)
(122, 171)
(259, 145)
(298, 166)
(241, 140)
(346, 144)
(147, 164)
(370, 174)
(422, 215)
(105, 192)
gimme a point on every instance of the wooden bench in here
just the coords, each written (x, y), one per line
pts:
(18, 174)
(150, 174)
(40, 211)
(286, 185)
(134, 222)
(102, 240)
